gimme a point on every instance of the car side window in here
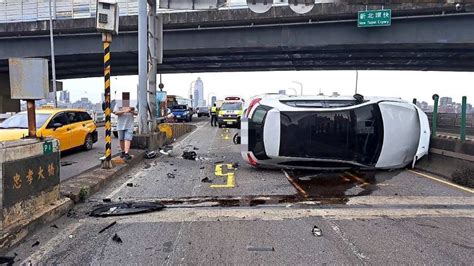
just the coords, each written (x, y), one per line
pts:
(59, 118)
(74, 117)
(85, 116)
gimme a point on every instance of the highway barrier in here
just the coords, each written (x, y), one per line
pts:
(29, 169)
(165, 133)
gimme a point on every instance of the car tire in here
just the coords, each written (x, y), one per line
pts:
(115, 133)
(88, 143)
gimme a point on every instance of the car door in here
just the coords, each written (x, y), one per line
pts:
(62, 132)
(78, 130)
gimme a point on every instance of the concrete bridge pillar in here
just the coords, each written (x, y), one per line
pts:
(7, 104)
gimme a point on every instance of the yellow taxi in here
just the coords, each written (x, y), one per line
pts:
(72, 127)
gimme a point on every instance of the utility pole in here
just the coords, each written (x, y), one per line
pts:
(107, 23)
(107, 163)
(53, 63)
(142, 67)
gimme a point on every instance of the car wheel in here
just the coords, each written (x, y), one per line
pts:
(115, 133)
(88, 143)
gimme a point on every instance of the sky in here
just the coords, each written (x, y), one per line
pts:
(404, 84)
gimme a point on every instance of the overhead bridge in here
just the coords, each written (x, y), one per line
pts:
(421, 37)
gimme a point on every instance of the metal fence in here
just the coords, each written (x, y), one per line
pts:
(450, 120)
(12, 11)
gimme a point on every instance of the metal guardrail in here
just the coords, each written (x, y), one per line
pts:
(12, 11)
(451, 120)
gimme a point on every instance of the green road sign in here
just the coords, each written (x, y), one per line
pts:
(374, 18)
(47, 147)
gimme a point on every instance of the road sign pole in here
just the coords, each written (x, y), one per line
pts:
(107, 163)
(434, 118)
(463, 118)
(31, 113)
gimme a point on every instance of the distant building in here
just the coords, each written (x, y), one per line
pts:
(335, 94)
(282, 92)
(64, 97)
(213, 100)
(445, 101)
(198, 99)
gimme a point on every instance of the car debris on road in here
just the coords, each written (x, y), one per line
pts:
(125, 208)
(189, 155)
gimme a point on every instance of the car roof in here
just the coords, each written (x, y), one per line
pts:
(55, 110)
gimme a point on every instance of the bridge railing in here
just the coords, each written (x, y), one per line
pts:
(12, 11)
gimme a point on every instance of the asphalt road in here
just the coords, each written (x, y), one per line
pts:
(268, 217)
(76, 161)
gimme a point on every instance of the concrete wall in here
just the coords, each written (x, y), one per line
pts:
(158, 139)
(448, 156)
(7, 104)
(29, 180)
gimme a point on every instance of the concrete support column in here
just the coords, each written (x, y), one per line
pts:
(7, 104)
(143, 127)
(152, 22)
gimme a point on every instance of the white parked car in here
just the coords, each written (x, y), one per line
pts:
(330, 133)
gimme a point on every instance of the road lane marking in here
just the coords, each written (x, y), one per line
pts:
(117, 190)
(443, 181)
(37, 257)
(363, 258)
(173, 215)
(295, 184)
(230, 176)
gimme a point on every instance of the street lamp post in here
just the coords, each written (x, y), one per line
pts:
(301, 86)
(208, 99)
(191, 93)
(53, 63)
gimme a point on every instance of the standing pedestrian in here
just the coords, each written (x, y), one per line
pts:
(214, 115)
(125, 123)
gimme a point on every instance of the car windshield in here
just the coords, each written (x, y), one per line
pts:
(20, 120)
(353, 135)
(231, 106)
(179, 107)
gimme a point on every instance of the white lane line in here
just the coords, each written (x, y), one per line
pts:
(117, 190)
(443, 181)
(363, 258)
(50, 246)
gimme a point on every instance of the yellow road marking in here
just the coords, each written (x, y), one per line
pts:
(295, 185)
(443, 181)
(230, 176)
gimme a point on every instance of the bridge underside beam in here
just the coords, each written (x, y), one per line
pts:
(437, 44)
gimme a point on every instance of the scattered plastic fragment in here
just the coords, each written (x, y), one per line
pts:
(107, 227)
(117, 239)
(206, 180)
(54, 226)
(125, 208)
(253, 248)
(107, 200)
(317, 231)
(170, 175)
(150, 155)
(189, 155)
(129, 184)
(35, 244)
(235, 165)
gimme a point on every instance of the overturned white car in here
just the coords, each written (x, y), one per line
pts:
(330, 133)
